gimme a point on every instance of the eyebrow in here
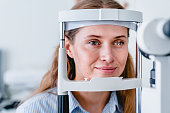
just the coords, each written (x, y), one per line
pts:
(97, 36)
(121, 36)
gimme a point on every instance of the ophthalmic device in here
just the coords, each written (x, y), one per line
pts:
(154, 43)
(86, 17)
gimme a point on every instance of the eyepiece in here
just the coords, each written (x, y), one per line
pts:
(166, 29)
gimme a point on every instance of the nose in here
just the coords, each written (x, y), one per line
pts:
(106, 54)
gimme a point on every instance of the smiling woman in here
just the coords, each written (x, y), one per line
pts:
(92, 51)
(98, 53)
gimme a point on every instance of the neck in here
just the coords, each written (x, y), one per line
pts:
(93, 102)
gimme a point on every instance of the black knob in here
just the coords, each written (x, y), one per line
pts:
(166, 29)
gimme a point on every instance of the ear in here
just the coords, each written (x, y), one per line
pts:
(68, 47)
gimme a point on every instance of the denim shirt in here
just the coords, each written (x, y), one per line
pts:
(47, 103)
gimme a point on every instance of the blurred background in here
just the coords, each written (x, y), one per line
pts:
(29, 34)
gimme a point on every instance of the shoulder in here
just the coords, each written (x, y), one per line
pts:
(41, 103)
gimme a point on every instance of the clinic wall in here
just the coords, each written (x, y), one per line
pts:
(29, 32)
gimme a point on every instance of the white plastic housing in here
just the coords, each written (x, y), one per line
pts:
(156, 100)
(151, 39)
(100, 14)
(84, 17)
(95, 84)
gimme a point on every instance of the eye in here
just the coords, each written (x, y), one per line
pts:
(94, 42)
(118, 43)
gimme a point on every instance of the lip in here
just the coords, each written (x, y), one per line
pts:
(106, 70)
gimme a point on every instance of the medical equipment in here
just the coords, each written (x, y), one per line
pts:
(4, 94)
(154, 42)
(3, 88)
(1, 79)
(85, 17)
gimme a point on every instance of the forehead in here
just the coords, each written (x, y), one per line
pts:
(103, 30)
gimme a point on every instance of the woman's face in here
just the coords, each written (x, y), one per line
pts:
(99, 51)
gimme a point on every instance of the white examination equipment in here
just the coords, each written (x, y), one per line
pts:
(85, 17)
(154, 41)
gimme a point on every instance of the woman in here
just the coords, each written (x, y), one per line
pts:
(92, 51)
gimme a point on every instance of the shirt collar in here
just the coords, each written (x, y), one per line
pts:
(73, 103)
(112, 105)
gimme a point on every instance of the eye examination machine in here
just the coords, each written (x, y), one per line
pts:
(153, 41)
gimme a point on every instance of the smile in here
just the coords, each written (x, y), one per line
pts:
(106, 70)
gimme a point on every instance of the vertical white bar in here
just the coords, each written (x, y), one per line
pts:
(163, 71)
(62, 61)
(139, 75)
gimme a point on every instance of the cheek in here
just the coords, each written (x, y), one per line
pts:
(122, 57)
(84, 60)
(83, 57)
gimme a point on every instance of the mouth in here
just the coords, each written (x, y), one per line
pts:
(107, 70)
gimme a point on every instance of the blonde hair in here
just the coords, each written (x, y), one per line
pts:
(125, 97)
